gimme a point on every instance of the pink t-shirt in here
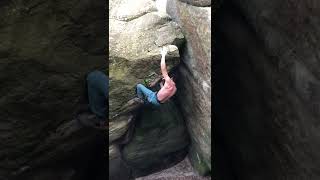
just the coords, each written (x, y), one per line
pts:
(167, 91)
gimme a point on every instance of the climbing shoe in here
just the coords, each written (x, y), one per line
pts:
(89, 119)
(132, 105)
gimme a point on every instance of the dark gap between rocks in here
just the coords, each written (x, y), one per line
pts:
(227, 95)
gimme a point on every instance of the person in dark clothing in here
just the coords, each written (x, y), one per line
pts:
(96, 115)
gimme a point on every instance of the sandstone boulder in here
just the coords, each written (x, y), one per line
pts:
(136, 36)
(194, 95)
(160, 140)
(134, 47)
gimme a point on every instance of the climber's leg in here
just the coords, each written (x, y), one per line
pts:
(153, 99)
(146, 94)
(98, 93)
(143, 92)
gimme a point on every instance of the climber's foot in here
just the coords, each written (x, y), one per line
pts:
(136, 101)
(132, 105)
(89, 119)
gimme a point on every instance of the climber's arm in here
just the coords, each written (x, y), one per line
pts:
(163, 64)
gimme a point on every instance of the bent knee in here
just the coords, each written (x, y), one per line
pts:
(140, 85)
(95, 76)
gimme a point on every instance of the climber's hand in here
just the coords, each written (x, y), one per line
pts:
(164, 51)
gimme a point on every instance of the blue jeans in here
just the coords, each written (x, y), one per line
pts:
(146, 94)
(98, 84)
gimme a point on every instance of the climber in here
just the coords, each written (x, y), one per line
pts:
(96, 114)
(168, 88)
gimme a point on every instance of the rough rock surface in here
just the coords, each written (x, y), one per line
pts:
(46, 49)
(150, 139)
(135, 37)
(160, 134)
(268, 88)
(181, 171)
(194, 83)
(58, 155)
(117, 167)
(197, 2)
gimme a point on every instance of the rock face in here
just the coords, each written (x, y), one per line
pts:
(194, 95)
(151, 139)
(197, 2)
(182, 170)
(268, 77)
(160, 134)
(157, 133)
(117, 167)
(135, 37)
(46, 49)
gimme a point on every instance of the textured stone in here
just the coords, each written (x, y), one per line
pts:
(127, 10)
(136, 37)
(46, 49)
(194, 83)
(267, 95)
(117, 169)
(134, 53)
(70, 140)
(197, 2)
(118, 128)
(160, 133)
(181, 171)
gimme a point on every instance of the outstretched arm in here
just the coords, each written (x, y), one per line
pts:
(163, 63)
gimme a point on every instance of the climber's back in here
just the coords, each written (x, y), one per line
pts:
(167, 90)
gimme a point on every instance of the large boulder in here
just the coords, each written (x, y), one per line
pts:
(65, 154)
(267, 96)
(160, 133)
(194, 95)
(46, 49)
(137, 32)
(135, 39)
